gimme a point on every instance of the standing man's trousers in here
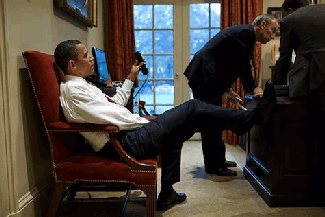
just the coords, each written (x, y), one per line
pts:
(213, 147)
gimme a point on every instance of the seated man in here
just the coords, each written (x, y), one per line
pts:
(140, 138)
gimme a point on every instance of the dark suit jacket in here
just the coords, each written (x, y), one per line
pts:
(303, 32)
(221, 61)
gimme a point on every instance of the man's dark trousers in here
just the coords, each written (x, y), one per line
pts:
(168, 131)
(213, 147)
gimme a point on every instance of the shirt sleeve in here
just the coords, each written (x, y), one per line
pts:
(84, 106)
(123, 94)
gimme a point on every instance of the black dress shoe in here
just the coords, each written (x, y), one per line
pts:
(165, 203)
(267, 103)
(221, 171)
(261, 112)
(231, 164)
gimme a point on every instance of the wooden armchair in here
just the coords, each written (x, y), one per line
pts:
(84, 168)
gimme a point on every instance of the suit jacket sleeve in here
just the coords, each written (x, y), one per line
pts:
(286, 49)
(247, 78)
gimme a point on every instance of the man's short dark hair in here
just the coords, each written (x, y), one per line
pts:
(294, 4)
(64, 52)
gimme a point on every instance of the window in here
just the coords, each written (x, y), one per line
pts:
(168, 33)
(154, 38)
(204, 24)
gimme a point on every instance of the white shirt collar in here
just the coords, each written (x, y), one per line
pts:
(74, 78)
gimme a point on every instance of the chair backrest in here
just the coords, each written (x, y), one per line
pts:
(45, 78)
(46, 84)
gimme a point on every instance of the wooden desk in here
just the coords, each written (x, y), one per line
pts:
(285, 158)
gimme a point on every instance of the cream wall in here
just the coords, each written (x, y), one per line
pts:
(26, 174)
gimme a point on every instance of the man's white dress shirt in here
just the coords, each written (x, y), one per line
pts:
(85, 103)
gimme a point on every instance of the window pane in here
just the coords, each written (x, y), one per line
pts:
(135, 106)
(164, 67)
(214, 32)
(143, 41)
(149, 64)
(164, 41)
(215, 15)
(150, 109)
(199, 15)
(165, 92)
(142, 16)
(162, 109)
(163, 16)
(146, 93)
(198, 38)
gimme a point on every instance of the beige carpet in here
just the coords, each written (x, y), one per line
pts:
(208, 195)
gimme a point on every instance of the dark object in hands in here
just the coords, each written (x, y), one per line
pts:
(139, 58)
(236, 100)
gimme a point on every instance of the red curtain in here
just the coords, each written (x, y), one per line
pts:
(240, 12)
(120, 45)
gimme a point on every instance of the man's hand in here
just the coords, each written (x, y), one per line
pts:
(134, 71)
(233, 94)
(258, 92)
(108, 82)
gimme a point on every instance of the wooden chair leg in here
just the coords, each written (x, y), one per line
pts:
(56, 200)
(151, 192)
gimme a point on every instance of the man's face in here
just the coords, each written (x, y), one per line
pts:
(266, 33)
(83, 65)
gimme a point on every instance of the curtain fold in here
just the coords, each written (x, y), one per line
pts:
(120, 38)
(240, 12)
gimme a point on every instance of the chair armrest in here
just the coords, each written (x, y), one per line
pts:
(81, 127)
(133, 163)
(60, 126)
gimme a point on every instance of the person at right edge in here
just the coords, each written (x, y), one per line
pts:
(303, 31)
(212, 71)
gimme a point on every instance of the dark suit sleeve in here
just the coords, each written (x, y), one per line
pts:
(286, 48)
(243, 53)
(247, 78)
